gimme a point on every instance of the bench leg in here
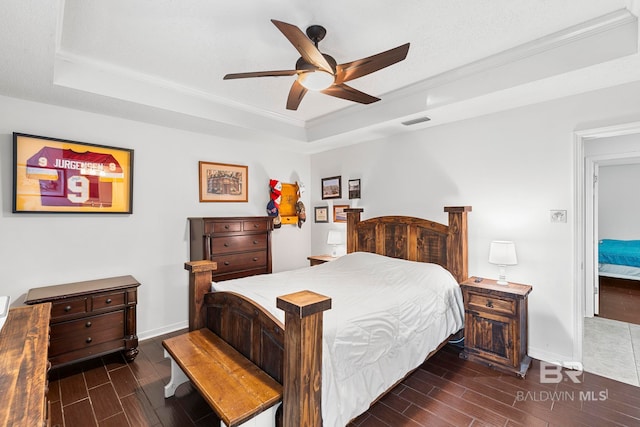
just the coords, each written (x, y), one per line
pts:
(266, 418)
(177, 377)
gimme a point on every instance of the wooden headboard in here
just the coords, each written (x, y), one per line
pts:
(414, 239)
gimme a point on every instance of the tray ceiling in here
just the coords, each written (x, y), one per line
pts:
(163, 61)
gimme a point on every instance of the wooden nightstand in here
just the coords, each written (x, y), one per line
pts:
(320, 259)
(495, 326)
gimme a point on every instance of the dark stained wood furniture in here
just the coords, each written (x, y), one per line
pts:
(23, 366)
(91, 318)
(320, 259)
(241, 246)
(275, 348)
(235, 388)
(495, 326)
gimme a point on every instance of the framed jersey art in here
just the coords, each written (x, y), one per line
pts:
(56, 175)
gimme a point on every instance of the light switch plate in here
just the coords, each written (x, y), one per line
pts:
(558, 215)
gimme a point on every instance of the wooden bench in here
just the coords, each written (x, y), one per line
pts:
(238, 391)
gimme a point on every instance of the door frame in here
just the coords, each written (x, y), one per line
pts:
(585, 264)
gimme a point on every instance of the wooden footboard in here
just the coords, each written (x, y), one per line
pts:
(293, 358)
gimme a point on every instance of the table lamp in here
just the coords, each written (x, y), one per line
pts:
(502, 253)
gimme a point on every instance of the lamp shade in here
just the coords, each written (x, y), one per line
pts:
(502, 252)
(334, 238)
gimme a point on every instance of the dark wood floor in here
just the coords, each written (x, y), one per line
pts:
(620, 299)
(444, 391)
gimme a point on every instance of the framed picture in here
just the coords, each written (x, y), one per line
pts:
(339, 215)
(61, 176)
(332, 187)
(321, 214)
(220, 182)
(354, 188)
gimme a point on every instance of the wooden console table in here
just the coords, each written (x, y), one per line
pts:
(23, 366)
(90, 319)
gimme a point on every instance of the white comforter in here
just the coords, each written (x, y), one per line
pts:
(387, 315)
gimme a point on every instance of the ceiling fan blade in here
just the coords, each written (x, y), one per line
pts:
(362, 67)
(261, 74)
(296, 94)
(350, 94)
(304, 45)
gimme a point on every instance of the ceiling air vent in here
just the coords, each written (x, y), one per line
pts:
(416, 121)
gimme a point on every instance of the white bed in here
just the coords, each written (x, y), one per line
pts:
(387, 314)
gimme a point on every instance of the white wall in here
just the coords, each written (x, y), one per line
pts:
(152, 243)
(512, 168)
(619, 202)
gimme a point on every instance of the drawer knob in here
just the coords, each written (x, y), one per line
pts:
(88, 340)
(489, 303)
(67, 308)
(255, 242)
(255, 225)
(108, 301)
(226, 227)
(87, 325)
(255, 258)
(226, 245)
(226, 263)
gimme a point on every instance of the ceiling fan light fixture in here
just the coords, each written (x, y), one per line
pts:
(316, 80)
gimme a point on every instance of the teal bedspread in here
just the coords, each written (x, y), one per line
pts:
(621, 252)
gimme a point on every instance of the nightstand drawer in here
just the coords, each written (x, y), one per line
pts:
(109, 300)
(480, 302)
(68, 307)
(77, 335)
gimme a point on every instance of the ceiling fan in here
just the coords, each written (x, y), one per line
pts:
(320, 72)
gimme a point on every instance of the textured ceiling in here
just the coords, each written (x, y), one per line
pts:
(163, 61)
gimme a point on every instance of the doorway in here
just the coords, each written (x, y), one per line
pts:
(597, 148)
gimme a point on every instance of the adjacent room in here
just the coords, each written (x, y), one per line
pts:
(282, 213)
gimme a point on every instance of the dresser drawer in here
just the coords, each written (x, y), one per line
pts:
(227, 244)
(256, 225)
(83, 333)
(222, 226)
(67, 307)
(479, 302)
(242, 261)
(108, 300)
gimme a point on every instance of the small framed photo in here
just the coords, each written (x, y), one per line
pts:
(354, 188)
(332, 187)
(339, 215)
(221, 182)
(61, 176)
(321, 214)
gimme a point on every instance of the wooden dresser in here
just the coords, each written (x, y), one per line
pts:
(90, 319)
(241, 246)
(23, 367)
(495, 325)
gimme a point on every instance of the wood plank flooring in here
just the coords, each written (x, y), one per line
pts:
(620, 299)
(444, 391)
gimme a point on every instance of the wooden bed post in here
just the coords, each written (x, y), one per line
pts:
(353, 218)
(302, 382)
(457, 250)
(199, 284)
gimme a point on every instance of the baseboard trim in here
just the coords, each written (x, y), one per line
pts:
(161, 331)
